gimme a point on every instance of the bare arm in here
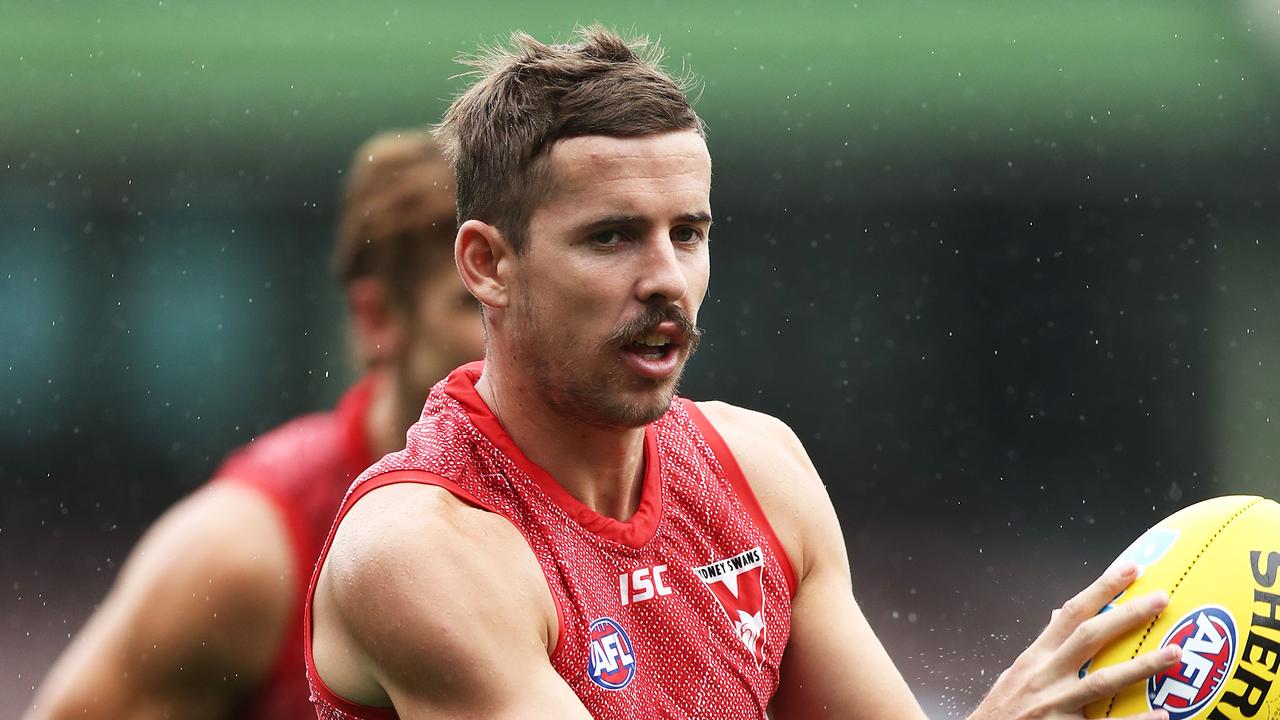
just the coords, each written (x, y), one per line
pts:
(428, 604)
(192, 623)
(835, 667)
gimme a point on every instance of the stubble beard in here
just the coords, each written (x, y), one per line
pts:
(606, 397)
(418, 368)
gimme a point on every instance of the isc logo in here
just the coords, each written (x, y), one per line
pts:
(1208, 639)
(640, 585)
(611, 661)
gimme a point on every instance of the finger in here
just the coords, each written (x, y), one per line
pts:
(1087, 603)
(1096, 632)
(1108, 681)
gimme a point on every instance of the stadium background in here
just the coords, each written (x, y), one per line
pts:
(1010, 270)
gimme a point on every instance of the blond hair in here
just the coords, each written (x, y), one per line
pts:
(398, 213)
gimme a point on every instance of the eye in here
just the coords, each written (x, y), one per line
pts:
(607, 238)
(686, 234)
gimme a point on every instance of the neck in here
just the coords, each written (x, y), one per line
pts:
(388, 417)
(602, 468)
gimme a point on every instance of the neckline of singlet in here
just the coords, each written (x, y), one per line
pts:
(634, 532)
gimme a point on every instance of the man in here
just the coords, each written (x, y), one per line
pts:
(562, 537)
(205, 620)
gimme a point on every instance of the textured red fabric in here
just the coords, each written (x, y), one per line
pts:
(302, 468)
(702, 637)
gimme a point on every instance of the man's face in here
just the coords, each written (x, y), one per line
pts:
(605, 298)
(442, 332)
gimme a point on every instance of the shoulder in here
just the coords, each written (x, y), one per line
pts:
(780, 473)
(416, 579)
(299, 447)
(303, 468)
(215, 570)
(391, 527)
(766, 449)
(753, 435)
(413, 544)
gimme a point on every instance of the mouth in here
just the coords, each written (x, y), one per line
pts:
(656, 352)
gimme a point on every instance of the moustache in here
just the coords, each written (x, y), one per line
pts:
(650, 318)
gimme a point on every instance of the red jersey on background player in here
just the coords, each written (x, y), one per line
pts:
(562, 537)
(205, 619)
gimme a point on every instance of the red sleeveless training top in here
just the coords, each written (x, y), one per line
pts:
(302, 468)
(681, 612)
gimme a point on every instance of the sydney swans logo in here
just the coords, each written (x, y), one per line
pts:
(736, 584)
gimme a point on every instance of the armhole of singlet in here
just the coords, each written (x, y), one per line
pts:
(738, 481)
(395, 477)
(295, 530)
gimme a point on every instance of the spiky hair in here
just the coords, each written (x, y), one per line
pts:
(529, 95)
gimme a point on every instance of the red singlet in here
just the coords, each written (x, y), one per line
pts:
(302, 468)
(681, 612)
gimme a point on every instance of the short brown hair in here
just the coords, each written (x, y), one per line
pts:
(497, 132)
(398, 213)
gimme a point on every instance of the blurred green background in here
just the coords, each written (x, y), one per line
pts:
(1010, 269)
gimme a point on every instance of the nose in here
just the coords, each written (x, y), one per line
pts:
(661, 272)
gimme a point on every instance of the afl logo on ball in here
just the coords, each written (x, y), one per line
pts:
(611, 661)
(1207, 636)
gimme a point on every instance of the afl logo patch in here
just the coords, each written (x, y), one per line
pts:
(1208, 639)
(611, 661)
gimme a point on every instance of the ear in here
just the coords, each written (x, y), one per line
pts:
(482, 255)
(377, 325)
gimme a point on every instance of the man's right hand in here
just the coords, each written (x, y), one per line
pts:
(1044, 682)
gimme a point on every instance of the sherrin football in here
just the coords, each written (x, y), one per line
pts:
(1219, 560)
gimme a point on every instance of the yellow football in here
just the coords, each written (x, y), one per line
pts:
(1219, 560)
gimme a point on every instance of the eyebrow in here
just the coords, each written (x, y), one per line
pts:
(622, 220)
(699, 217)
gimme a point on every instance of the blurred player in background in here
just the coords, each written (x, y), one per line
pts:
(205, 618)
(563, 537)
